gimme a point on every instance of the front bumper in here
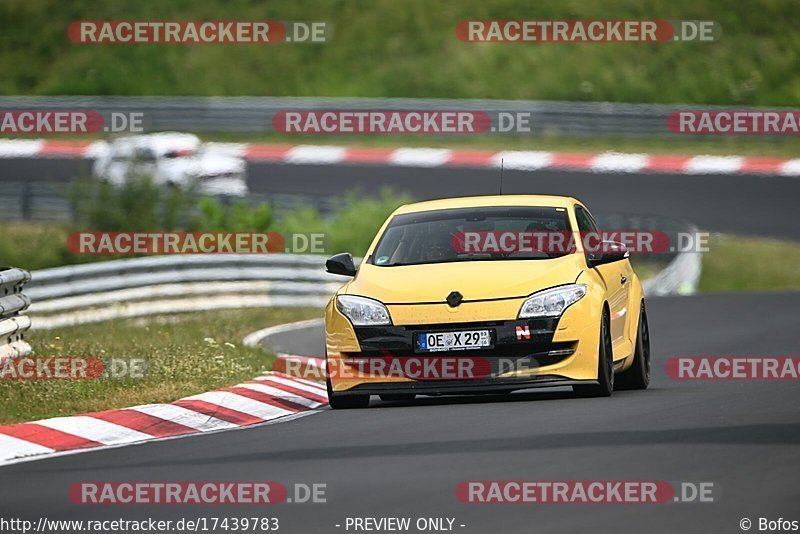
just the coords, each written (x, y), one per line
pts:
(522, 342)
(524, 354)
(477, 387)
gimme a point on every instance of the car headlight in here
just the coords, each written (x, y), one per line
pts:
(551, 302)
(363, 311)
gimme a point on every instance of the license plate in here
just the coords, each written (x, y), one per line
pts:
(442, 341)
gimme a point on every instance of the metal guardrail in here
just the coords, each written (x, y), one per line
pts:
(254, 114)
(136, 287)
(13, 323)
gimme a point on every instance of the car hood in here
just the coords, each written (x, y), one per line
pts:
(475, 280)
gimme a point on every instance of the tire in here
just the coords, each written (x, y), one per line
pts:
(398, 397)
(605, 365)
(338, 401)
(638, 375)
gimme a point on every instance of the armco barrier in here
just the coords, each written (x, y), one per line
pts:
(135, 287)
(255, 114)
(13, 323)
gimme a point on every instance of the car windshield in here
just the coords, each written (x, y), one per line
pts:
(471, 234)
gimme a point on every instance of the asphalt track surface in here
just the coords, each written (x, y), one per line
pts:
(406, 459)
(742, 204)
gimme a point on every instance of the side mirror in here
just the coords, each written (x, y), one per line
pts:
(341, 264)
(610, 251)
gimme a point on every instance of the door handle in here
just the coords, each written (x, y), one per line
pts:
(622, 279)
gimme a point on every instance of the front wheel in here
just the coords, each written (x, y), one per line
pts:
(638, 375)
(605, 365)
(337, 401)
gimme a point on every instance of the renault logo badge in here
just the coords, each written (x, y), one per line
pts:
(454, 299)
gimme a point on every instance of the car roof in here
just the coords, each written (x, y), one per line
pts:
(160, 142)
(487, 201)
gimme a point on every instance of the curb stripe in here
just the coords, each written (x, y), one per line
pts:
(277, 402)
(95, 430)
(319, 362)
(762, 166)
(317, 386)
(143, 422)
(21, 148)
(368, 155)
(666, 163)
(267, 152)
(20, 447)
(183, 416)
(315, 155)
(299, 385)
(713, 165)
(64, 148)
(604, 162)
(471, 158)
(619, 162)
(420, 157)
(219, 412)
(321, 399)
(280, 393)
(240, 403)
(522, 160)
(572, 161)
(47, 437)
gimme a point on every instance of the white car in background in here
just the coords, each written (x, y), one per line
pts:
(171, 158)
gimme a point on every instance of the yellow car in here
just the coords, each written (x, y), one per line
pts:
(458, 296)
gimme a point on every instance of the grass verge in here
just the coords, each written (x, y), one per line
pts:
(186, 354)
(736, 263)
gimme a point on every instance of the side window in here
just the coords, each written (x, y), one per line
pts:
(587, 228)
(585, 221)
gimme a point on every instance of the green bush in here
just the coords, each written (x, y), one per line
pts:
(137, 205)
(216, 216)
(352, 228)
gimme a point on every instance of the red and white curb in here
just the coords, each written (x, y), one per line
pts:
(605, 162)
(268, 398)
